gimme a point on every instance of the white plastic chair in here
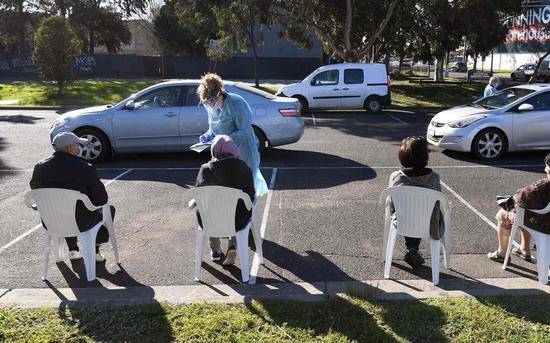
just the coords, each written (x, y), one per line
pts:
(542, 240)
(414, 207)
(217, 207)
(56, 207)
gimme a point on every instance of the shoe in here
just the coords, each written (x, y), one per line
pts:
(99, 257)
(520, 254)
(230, 256)
(74, 255)
(215, 256)
(414, 259)
(494, 256)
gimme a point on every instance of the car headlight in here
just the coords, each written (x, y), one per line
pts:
(60, 123)
(465, 121)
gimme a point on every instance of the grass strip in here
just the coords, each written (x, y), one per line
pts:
(348, 319)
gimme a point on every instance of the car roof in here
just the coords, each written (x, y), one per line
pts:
(357, 65)
(184, 82)
(534, 86)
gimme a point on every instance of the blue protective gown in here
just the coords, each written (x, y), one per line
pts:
(235, 121)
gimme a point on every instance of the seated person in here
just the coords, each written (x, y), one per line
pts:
(66, 170)
(226, 169)
(536, 196)
(414, 156)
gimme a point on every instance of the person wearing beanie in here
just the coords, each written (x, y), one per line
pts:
(535, 196)
(228, 170)
(64, 169)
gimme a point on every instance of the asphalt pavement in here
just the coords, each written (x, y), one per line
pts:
(322, 221)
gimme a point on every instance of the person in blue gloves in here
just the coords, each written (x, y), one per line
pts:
(229, 114)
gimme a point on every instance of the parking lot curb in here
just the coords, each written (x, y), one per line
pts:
(239, 293)
(42, 108)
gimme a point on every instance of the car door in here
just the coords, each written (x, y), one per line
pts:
(152, 124)
(324, 89)
(353, 88)
(193, 120)
(532, 128)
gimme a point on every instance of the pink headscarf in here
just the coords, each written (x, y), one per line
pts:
(223, 146)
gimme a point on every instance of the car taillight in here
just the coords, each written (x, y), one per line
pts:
(290, 112)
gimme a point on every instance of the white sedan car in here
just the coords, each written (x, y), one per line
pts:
(513, 119)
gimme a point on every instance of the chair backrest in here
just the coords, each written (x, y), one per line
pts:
(56, 207)
(217, 206)
(414, 207)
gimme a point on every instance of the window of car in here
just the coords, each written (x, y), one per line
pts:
(502, 98)
(353, 76)
(326, 78)
(540, 102)
(520, 68)
(158, 98)
(189, 96)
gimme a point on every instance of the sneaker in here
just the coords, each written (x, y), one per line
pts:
(520, 254)
(215, 256)
(414, 259)
(230, 256)
(74, 255)
(494, 256)
(99, 257)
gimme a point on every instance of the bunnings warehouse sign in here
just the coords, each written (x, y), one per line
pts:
(529, 32)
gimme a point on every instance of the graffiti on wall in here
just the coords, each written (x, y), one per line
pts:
(85, 64)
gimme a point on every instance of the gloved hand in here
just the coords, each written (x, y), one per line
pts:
(206, 138)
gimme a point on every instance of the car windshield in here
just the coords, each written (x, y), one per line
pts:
(254, 90)
(502, 98)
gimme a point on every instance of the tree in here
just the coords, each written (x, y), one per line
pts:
(55, 49)
(13, 25)
(347, 32)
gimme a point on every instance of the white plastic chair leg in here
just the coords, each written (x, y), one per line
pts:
(88, 246)
(112, 238)
(47, 243)
(258, 241)
(242, 247)
(446, 257)
(436, 248)
(58, 249)
(510, 244)
(392, 236)
(543, 256)
(198, 254)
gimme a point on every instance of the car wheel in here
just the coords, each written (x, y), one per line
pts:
(489, 144)
(513, 77)
(99, 148)
(262, 141)
(373, 104)
(304, 106)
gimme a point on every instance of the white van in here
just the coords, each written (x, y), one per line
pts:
(347, 85)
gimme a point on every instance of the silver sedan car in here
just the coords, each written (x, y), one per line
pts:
(168, 117)
(513, 119)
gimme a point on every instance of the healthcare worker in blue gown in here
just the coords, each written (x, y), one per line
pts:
(229, 114)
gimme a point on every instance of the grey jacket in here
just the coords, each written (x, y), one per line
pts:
(425, 178)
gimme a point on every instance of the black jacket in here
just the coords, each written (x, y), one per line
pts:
(229, 172)
(63, 170)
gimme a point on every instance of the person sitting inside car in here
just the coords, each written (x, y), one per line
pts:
(228, 170)
(413, 156)
(535, 196)
(66, 170)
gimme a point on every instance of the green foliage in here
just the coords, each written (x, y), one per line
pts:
(341, 320)
(55, 48)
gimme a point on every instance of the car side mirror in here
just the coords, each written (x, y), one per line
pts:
(525, 107)
(313, 82)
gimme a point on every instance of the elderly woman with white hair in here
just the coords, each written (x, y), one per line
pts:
(491, 88)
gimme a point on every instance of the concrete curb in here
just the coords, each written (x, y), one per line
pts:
(239, 293)
(42, 108)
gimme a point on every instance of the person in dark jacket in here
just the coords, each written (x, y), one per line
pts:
(414, 156)
(64, 169)
(226, 169)
(536, 197)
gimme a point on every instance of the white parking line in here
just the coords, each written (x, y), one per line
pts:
(397, 119)
(2, 249)
(479, 214)
(256, 260)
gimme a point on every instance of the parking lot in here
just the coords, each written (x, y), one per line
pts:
(321, 222)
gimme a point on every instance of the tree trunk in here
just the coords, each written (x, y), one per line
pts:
(387, 60)
(60, 86)
(537, 67)
(91, 43)
(253, 46)
(401, 58)
(475, 62)
(438, 75)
